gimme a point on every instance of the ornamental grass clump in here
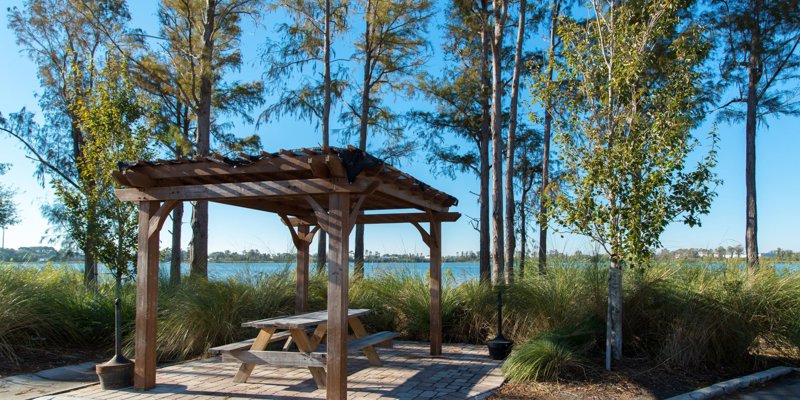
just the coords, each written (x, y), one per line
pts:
(563, 297)
(48, 306)
(406, 296)
(693, 317)
(553, 353)
(20, 320)
(201, 314)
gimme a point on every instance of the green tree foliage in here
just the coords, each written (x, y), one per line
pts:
(461, 100)
(171, 70)
(299, 47)
(201, 43)
(111, 119)
(527, 171)
(8, 209)
(305, 42)
(392, 50)
(545, 77)
(631, 97)
(759, 42)
(62, 38)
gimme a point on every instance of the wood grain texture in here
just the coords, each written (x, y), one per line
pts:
(303, 261)
(360, 333)
(435, 286)
(304, 345)
(144, 376)
(259, 344)
(247, 344)
(300, 321)
(394, 218)
(338, 270)
(276, 358)
(370, 341)
(240, 190)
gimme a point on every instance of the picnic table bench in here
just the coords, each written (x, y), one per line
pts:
(307, 331)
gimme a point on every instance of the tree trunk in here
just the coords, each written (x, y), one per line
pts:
(322, 246)
(498, 248)
(485, 251)
(358, 250)
(754, 75)
(198, 257)
(175, 257)
(548, 122)
(543, 220)
(89, 265)
(326, 105)
(322, 251)
(358, 253)
(511, 238)
(523, 219)
(614, 316)
(89, 250)
(199, 254)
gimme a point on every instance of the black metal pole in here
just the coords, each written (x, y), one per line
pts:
(499, 313)
(118, 317)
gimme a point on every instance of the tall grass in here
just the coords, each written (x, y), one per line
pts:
(686, 317)
(200, 314)
(49, 307)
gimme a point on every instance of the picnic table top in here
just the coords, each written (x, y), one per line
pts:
(300, 320)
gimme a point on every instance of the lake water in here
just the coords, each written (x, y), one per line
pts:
(456, 271)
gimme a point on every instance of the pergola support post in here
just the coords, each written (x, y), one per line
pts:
(435, 285)
(303, 258)
(302, 242)
(338, 227)
(434, 241)
(144, 377)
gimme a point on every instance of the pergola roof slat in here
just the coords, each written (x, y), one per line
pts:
(167, 179)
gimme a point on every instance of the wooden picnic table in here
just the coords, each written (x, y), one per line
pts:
(307, 331)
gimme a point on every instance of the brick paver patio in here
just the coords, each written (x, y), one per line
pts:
(409, 372)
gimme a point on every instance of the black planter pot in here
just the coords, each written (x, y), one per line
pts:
(499, 348)
(115, 374)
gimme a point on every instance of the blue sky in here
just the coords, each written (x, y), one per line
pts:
(239, 229)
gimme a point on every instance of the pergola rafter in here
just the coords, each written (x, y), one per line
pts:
(327, 189)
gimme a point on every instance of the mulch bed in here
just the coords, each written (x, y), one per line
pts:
(33, 359)
(633, 378)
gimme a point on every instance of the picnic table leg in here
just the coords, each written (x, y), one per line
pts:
(261, 343)
(304, 345)
(318, 335)
(369, 351)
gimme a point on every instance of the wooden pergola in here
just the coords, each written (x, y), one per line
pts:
(310, 189)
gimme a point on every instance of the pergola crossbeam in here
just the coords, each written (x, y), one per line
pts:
(394, 218)
(242, 190)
